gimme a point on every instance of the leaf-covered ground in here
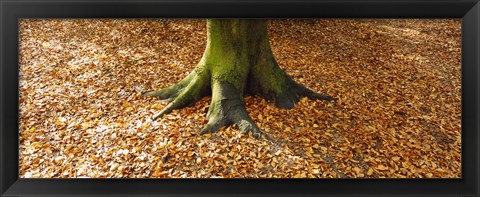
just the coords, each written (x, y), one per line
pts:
(398, 113)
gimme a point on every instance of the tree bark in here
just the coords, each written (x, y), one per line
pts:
(237, 60)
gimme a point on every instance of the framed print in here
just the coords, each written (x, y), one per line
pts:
(320, 98)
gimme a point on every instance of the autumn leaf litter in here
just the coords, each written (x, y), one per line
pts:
(398, 113)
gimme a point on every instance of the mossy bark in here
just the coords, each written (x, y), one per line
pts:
(237, 60)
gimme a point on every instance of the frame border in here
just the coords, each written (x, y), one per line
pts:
(11, 11)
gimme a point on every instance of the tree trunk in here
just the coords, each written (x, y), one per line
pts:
(238, 60)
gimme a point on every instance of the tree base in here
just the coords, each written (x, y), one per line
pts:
(237, 60)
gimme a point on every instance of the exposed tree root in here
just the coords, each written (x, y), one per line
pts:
(182, 94)
(228, 108)
(276, 86)
(170, 92)
(293, 92)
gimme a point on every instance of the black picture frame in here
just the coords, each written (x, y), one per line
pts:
(11, 11)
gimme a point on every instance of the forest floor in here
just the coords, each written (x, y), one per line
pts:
(398, 113)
